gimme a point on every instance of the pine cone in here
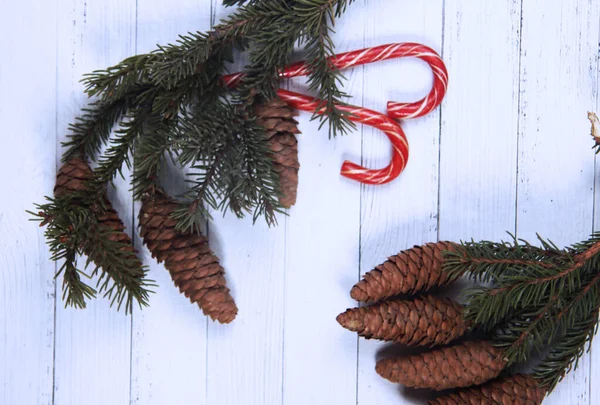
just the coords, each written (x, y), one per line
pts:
(281, 129)
(423, 321)
(410, 271)
(72, 177)
(463, 365)
(193, 266)
(513, 390)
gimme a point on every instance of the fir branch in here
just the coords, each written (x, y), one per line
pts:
(111, 162)
(323, 77)
(73, 229)
(93, 128)
(567, 351)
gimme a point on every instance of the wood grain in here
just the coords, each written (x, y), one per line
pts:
(169, 341)
(508, 151)
(248, 353)
(556, 166)
(322, 254)
(92, 346)
(393, 219)
(27, 164)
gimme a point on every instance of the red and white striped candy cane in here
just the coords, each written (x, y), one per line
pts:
(369, 117)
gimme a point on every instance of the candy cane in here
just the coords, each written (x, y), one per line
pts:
(369, 117)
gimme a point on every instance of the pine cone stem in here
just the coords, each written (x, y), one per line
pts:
(423, 321)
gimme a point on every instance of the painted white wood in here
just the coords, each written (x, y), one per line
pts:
(559, 82)
(92, 346)
(404, 212)
(515, 156)
(169, 337)
(322, 242)
(245, 358)
(28, 116)
(479, 120)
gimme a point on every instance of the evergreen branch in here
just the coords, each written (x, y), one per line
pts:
(75, 291)
(92, 129)
(73, 229)
(116, 82)
(566, 351)
(323, 76)
(111, 162)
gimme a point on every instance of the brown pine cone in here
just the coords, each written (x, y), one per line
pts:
(281, 129)
(72, 177)
(463, 365)
(410, 271)
(193, 266)
(423, 321)
(513, 390)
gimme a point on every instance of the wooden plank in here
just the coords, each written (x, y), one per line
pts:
(595, 349)
(169, 337)
(27, 111)
(247, 354)
(479, 120)
(556, 167)
(403, 213)
(322, 243)
(92, 346)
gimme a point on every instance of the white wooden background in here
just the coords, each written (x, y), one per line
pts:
(508, 151)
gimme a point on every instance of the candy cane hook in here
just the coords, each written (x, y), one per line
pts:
(368, 117)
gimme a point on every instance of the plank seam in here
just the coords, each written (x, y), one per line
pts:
(56, 154)
(439, 162)
(518, 119)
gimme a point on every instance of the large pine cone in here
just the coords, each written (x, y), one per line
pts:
(423, 321)
(281, 130)
(72, 177)
(193, 266)
(463, 365)
(410, 271)
(513, 390)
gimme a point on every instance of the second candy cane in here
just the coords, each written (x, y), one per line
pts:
(372, 118)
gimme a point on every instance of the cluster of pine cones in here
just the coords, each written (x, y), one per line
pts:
(470, 367)
(193, 266)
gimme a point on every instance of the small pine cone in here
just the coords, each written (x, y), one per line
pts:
(193, 266)
(410, 271)
(513, 390)
(463, 365)
(423, 321)
(72, 177)
(281, 129)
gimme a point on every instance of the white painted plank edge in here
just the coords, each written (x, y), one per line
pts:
(403, 213)
(479, 120)
(92, 346)
(322, 245)
(595, 349)
(247, 354)
(28, 116)
(556, 166)
(169, 340)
